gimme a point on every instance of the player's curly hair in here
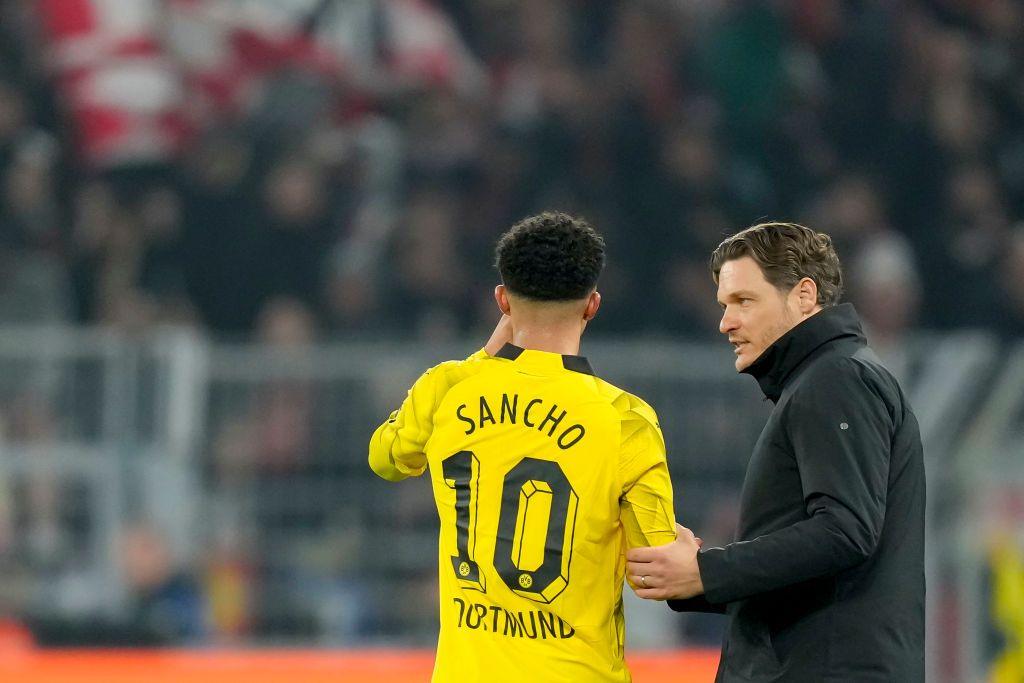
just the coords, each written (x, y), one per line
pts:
(550, 257)
(786, 253)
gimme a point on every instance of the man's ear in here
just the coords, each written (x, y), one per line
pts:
(593, 303)
(807, 296)
(501, 296)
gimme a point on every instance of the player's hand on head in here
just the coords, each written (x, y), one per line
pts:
(502, 335)
(666, 571)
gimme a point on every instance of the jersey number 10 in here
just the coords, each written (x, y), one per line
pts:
(531, 488)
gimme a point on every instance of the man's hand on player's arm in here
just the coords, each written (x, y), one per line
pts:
(502, 335)
(666, 572)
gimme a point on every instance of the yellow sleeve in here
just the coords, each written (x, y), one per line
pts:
(645, 508)
(396, 447)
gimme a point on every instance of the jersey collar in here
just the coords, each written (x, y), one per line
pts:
(544, 359)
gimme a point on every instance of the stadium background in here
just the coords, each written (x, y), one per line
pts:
(233, 231)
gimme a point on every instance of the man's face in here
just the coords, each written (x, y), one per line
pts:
(754, 312)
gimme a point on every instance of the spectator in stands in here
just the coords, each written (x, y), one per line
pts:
(430, 276)
(291, 241)
(164, 270)
(167, 603)
(1011, 281)
(34, 282)
(886, 288)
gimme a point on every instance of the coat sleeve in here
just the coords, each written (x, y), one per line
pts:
(699, 603)
(840, 430)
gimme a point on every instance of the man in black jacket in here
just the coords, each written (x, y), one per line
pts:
(825, 581)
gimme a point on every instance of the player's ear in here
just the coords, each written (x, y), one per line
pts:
(593, 303)
(501, 296)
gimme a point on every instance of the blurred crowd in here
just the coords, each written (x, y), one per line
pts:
(214, 162)
(287, 172)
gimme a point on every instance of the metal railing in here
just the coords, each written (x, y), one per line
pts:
(249, 463)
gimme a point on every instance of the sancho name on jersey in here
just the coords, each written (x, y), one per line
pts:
(508, 413)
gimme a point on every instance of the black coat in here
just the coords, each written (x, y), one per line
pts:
(825, 581)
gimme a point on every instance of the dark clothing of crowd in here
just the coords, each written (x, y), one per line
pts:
(898, 129)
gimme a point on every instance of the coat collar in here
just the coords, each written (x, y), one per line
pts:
(775, 365)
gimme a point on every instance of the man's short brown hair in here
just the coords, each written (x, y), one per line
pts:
(786, 254)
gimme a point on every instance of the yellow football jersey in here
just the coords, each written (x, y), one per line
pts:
(543, 474)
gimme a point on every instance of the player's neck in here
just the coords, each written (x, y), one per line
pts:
(565, 341)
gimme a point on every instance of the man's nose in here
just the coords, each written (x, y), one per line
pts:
(728, 322)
